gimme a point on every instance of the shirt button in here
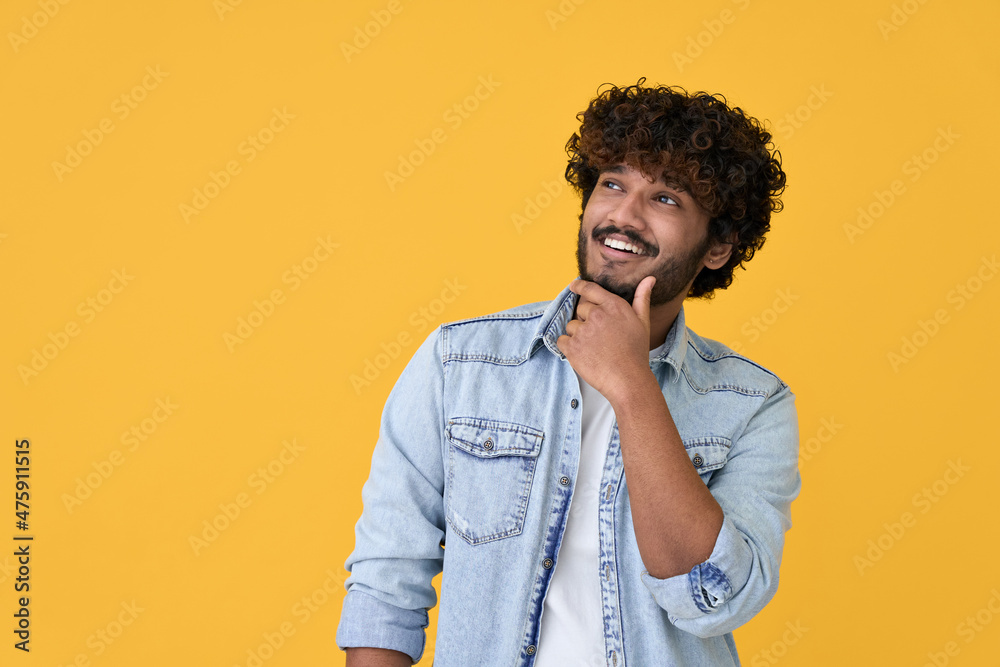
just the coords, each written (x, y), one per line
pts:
(530, 650)
(574, 403)
(488, 444)
(547, 563)
(698, 461)
(564, 480)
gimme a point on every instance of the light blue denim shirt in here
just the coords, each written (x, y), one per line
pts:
(478, 450)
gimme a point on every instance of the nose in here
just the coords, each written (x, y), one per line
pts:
(630, 211)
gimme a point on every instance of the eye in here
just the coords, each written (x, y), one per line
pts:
(607, 183)
(666, 199)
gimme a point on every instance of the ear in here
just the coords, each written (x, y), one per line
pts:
(720, 251)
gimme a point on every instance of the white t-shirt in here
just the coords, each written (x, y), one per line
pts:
(572, 626)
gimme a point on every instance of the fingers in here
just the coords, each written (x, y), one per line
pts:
(563, 343)
(592, 291)
(640, 303)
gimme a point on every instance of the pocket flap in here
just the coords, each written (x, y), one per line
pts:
(487, 438)
(707, 453)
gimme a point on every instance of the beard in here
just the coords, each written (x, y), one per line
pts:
(672, 273)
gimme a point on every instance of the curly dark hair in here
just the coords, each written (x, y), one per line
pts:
(722, 157)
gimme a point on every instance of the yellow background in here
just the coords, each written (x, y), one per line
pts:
(868, 86)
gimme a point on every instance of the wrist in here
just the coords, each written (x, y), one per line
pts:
(632, 389)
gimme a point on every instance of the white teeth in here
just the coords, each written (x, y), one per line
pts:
(622, 245)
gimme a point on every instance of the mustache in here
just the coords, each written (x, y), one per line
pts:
(650, 249)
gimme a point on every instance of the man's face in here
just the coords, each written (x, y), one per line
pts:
(664, 224)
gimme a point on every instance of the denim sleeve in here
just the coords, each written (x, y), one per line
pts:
(755, 489)
(397, 549)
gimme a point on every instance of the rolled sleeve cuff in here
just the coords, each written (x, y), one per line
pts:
(367, 621)
(710, 584)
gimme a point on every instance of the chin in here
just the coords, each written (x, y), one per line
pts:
(625, 291)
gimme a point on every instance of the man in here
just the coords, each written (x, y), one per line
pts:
(612, 488)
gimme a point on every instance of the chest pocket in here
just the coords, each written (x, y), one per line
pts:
(490, 468)
(707, 454)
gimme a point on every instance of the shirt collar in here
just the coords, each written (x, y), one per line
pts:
(560, 311)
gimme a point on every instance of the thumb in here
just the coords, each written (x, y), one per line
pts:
(640, 302)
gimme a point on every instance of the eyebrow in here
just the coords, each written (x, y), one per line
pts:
(620, 169)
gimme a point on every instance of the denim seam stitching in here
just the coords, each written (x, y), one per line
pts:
(719, 440)
(488, 358)
(735, 355)
(614, 547)
(498, 425)
(725, 387)
(531, 315)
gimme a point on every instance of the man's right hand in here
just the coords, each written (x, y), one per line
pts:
(376, 657)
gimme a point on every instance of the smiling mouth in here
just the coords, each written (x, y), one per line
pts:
(622, 246)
